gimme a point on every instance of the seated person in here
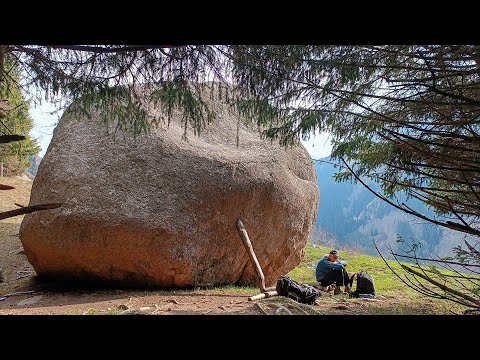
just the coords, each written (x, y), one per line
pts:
(331, 273)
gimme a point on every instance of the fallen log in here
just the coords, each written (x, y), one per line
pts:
(263, 295)
(28, 209)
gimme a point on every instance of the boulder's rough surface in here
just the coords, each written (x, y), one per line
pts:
(162, 211)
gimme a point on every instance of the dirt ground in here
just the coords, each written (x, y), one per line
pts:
(47, 297)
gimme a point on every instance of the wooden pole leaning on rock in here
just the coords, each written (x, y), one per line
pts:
(266, 292)
(253, 258)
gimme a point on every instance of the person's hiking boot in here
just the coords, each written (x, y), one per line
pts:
(347, 290)
(324, 288)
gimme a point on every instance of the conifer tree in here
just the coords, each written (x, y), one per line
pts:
(406, 117)
(14, 156)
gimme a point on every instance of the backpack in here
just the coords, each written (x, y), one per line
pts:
(301, 293)
(365, 286)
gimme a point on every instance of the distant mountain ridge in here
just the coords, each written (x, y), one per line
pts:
(351, 216)
(35, 160)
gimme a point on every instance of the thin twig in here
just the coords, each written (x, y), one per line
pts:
(19, 293)
(441, 286)
(261, 308)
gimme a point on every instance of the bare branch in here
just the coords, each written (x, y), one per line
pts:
(28, 209)
(101, 49)
(442, 286)
(4, 139)
(436, 260)
(6, 187)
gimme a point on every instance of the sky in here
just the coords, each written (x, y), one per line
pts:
(44, 123)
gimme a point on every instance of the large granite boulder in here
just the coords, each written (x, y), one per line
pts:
(162, 211)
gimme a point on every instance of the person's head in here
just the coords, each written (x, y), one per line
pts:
(333, 256)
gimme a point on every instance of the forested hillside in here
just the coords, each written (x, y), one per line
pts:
(351, 216)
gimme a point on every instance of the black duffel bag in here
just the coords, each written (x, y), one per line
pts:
(301, 293)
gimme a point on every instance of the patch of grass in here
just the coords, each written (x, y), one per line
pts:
(91, 312)
(385, 281)
(217, 290)
(397, 297)
(113, 312)
(230, 289)
(387, 284)
(73, 312)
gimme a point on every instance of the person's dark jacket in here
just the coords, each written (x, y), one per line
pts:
(324, 267)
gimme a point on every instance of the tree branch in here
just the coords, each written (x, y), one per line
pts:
(441, 286)
(448, 224)
(6, 187)
(28, 209)
(105, 50)
(436, 260)
(4, 139)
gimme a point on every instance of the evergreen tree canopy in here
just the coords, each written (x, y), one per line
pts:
(15, 155)
(406, 117)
